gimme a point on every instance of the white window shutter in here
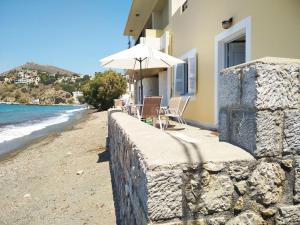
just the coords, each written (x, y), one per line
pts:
(174, 79)
(192, 74)
(179, 79)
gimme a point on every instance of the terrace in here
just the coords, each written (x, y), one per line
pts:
(192, 175)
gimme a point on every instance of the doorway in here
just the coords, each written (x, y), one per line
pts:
(232, 47)
(235, 52)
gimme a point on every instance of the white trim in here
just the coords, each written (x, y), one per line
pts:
(169, 84)
(188, 54)
(239, 29)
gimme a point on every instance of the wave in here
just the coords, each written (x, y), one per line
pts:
(10, 132)
(75, 110)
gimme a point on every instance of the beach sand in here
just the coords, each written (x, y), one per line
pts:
(63, 179)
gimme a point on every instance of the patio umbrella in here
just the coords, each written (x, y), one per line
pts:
(140, 57)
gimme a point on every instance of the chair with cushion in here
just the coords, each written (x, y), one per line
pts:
(151, 109)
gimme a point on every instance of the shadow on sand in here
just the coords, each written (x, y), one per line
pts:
(104, 156)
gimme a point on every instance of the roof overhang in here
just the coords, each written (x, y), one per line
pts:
(139, 14)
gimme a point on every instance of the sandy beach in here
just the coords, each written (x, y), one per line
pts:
(62, 179)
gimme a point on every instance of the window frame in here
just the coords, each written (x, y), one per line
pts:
(185, 57)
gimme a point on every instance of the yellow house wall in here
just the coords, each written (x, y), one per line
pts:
(153, 33)
(275, 32)
(160, 17)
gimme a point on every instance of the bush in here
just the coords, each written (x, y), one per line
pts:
(24, 90)
(57, 87)
(23, 100)
(17, 94)
(46, 79)
(68, 95)
(81, 99)
(70, 101)
(101, 91)
(68, 87)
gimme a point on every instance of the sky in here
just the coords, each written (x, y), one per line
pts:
(71, 34)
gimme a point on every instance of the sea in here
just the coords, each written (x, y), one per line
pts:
(21, 124)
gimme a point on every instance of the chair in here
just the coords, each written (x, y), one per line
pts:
(118, 103)
(151, 109)
(177, 106)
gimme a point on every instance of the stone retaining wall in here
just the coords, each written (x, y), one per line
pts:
(158, 190)
(260, 112)
(160, 180)
(259, 107)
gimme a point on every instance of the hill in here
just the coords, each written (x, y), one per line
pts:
(44, 68)
(41, 94)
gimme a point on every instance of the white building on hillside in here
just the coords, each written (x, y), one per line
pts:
(77, 94)
(28, 77)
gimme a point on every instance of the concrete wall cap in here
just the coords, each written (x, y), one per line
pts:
(265, 60)
(160, 148)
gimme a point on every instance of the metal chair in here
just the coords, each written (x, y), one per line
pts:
(151, 109)
(176, 108)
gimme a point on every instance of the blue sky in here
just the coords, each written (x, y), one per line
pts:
(72, 34)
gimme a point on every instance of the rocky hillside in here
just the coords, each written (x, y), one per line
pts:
(45, 68)
(44, 94)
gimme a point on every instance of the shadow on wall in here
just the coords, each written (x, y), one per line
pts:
(191, 191)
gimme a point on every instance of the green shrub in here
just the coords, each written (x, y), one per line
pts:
(103, 89)
(23, 100)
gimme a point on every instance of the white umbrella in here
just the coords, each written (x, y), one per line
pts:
(138, 57)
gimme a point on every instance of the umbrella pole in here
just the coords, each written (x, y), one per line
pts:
(141, 77)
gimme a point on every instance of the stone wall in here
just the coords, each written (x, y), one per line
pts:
(260, 112)
(158, 179)
(154, 183)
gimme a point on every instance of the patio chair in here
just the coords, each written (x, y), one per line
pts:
(118, 103)
(151, 109)
(177, 106)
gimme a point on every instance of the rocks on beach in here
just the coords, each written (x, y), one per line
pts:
(27, 196)
(79, 172)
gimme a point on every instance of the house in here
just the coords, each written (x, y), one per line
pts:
(209, 35)
(75, 77)
(76, 95)
(27, 77)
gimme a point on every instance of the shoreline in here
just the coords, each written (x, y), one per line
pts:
(63, 178)
(62, 104)
(47, 137)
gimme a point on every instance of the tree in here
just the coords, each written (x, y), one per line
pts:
(68, 87)
(103, 89)
(46, 79)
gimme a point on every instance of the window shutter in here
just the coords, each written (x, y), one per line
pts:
(192, 74)
(179, 79)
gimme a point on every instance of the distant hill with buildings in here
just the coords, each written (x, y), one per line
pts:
(40, 84)
(45, 68)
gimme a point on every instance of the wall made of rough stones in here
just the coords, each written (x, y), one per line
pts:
(260, 112)
(240, 192)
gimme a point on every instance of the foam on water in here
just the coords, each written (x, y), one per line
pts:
(10, 132)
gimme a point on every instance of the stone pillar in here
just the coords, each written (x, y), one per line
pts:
(260, 112)
(259, 107)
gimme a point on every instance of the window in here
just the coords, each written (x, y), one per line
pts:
(184, 6)
(185, 75)
(235, 52)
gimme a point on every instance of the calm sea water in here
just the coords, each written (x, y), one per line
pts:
(19, 121)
